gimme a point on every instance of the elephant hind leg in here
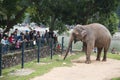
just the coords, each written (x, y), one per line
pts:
(105, 54)
(98, 53)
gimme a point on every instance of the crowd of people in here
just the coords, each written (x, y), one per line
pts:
(30, 37)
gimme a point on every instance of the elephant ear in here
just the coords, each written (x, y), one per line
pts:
(83, 33)
(80, 29)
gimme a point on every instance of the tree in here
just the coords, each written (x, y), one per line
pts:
(118, 14)
(12, 12)
(50, 12)
(56, 13)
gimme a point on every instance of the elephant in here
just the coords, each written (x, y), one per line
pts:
(93, 35)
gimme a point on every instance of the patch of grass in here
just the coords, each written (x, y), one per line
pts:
(116, 78)
(110, 55)
(45, 65)
(113, 56)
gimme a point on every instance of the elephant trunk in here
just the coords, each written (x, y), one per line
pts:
(70, 43)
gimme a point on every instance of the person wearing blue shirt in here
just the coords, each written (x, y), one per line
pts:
(7, 44)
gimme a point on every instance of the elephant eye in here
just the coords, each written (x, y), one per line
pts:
(74, 35)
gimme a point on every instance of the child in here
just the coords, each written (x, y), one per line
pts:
(17, 46)
(58, 47)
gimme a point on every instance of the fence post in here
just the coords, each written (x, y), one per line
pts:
(51, 46)
(22, 57)
(62, 44)
(1, 60)
(39, 41)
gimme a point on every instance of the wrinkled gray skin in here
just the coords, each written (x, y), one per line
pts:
(93, 35)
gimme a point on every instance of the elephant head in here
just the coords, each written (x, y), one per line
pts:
(78, 34)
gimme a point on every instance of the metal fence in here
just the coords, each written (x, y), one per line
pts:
(27, 45)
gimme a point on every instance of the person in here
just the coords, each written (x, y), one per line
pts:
(6, 34)
(58, 47)
(21, 37)
(113, 51)
(55, 41)
(7, 43)
(95, 50)
(17, 46)
(37, 37)
(16, 31)
(51, 33)
(3, 42)
(15, 36)
(12, 42)
(27, 38)
(42, 39)
(31, 35)
(12, 39)
(34, 34)
(46, 36)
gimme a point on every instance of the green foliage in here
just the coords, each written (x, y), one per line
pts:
(60, 26)
(118, 11)
(11, 12)
(50, 12)
(112, 23)
(57, 13)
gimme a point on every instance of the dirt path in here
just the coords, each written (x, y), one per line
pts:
(81, 71)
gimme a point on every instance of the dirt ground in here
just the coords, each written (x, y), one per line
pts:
(81, 71)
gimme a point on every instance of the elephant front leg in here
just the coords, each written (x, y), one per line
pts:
(88, 61)
(88, 53)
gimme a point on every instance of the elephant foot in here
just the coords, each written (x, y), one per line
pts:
(97, 59)
(87, 61)
(104, 60)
